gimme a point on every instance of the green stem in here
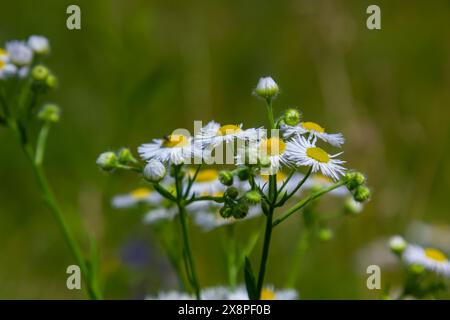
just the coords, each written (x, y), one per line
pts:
(41, 143)
(296, 188)
(265, 251)
(189, 261)
(52, 204)
(305, 201)
(270, 114)
(207, 198)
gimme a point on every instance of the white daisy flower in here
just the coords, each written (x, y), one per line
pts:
(214, 134)
(267, 293)
(6, 69)
(304, 153)
(335, 139)
(39, 44)
(266, 88)
(296, 178)
(430, 258)
(136, 197)
(210, 218)
(19, 53)
(318, 180)
(206, 183)
(173, 149)
(160, 214)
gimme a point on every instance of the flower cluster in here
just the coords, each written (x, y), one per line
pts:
(261, 172)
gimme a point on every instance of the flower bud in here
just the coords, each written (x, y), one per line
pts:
(231, 193)
(39, 44)
(39, 73)
(240, 210)
(107, 161)
(354, 179)
(291, 117)
(125, 156)
(264, 161)
(49, 113)
(416, 269)
(352, 207)
(252, 197)
(362, 194)
(325, 234)
(226, 178)
(397, 244)
(243, 173)
(226, 212)
(266, 88)
(154, 171)
(51, 81)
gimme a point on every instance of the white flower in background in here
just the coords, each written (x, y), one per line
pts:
(267, 293)
(170, 295)
(39, 44)
(352, 206)
(206, 183)
(319, 181)
(154, 171)
(173, 149)
(135, 197)
(263, 181)
(436, 235)
(266, 88)
(19, 53)
(209, 218)
(397, 244)
(160, 214)
(430, 258)
(315, 130)
(214, 134)
(7, 69)
(303, 152)
(23, 72)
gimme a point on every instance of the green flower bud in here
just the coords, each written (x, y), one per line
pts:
(51, 81)
(266, 88)
(240, 210)
(354, 179)
(252, 197)
(107, 161)
(326, 234)
(154, 171)
(226, 212)
(291, 117)
(264, 161)
(352, 207)
(226, 178)
(362, 194)
(49, 113)
(125, 156)
(397, 244)
(243, 173)
(39, 73)
(231, 193)
(416, 269)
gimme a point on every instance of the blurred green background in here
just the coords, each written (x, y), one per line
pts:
(138, 69)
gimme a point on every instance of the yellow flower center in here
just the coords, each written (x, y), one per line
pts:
(312, 126)
(435, 254)
(207, 175)
(3, 52)
(140, 193)
(267, 294)
(273, 146)
(280, 177)
(2, 64)
(318, 154)
(228, 129)
(175, 140)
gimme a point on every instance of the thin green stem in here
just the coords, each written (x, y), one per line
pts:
(189, 261)
(305, 201)
(288, 196)
(41, 143)
(206, 198)
(270, 114)
(265, 251)
(192, 180)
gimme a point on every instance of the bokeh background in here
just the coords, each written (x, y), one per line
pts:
(138, 69)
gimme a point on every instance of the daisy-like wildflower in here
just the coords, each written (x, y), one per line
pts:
(214, 134)
(160, 214)
(430, 258)
(267, 293)
(19, 53)
(172, 149)
(136, 197)
(7, 69)
(39, 44)
(209, 218)
(315, 130)
(263, 180)
(266, 88)
(207, 183)
(303, 152)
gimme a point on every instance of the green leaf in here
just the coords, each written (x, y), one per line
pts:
(250, 282)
